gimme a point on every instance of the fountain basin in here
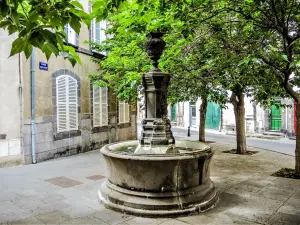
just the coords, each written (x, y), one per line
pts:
(158, 184)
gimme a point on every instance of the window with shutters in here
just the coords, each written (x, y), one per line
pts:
(123, 112)
(100, 106)
(72, 36)
(66, 103)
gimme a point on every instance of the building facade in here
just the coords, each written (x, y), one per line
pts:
(257, 118)
(51, 109)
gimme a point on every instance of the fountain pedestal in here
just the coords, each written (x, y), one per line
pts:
(156, 127)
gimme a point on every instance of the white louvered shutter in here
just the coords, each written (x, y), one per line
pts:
(93, 30)
(121, 112)
(66, 98)
(97, 33)
(126, 112)
(72, 94)
(100, 112)
(96, 106)
(61, 99)
(102, 30)
(104, 104)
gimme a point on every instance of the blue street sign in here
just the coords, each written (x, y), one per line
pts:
(43, 66)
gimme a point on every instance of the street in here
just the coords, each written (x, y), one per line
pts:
(284, 145)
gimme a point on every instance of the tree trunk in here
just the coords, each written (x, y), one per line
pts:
(297, 150)
(203, 110)
(239, 112)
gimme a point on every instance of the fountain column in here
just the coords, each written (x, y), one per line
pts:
(156, 127)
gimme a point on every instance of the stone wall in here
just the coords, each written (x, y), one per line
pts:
(87, 138)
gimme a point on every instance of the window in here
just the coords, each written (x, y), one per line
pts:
(123, 112)
(100, 112)
(66, 98)
(72, 37)
(98, 31)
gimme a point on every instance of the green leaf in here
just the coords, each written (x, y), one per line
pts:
(12, 29)
(17, 46)
(27, 50)
(75, 24)
(77, 4)
(4, 24)
(285, 58)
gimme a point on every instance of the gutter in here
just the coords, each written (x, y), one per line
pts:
(32, 107)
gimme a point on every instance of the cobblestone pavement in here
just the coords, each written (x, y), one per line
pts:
(64, 191)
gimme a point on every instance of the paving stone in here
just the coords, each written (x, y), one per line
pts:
(294, 202)
(284, 218)
(296, 194)
(7, 207)
(5, 218)
(29, 203)
(8, 196)
(205, 220)
(228, 197)
(243, 190)
(254, 209)
(63, 182)
(286, 184)
(30, 220)
(53, 217)
(76, 211)
(111, 217)
(173, 222)
(146, 221)
(85, 220)
(275, 193)
(289, 210)
(95, 177)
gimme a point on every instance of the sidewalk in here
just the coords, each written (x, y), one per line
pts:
(64, 191)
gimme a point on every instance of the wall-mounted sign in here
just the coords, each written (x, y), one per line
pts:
(43, 66)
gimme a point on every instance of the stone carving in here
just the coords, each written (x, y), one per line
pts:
(155, 46)
(156, 128)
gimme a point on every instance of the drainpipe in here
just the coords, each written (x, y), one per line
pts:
(21, 99)
(32, 107)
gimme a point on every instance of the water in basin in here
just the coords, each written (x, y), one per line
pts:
(180, 148)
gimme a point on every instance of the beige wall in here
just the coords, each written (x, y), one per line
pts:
(9, 88)
(43, 82)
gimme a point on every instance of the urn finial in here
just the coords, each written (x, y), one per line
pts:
(155, 46)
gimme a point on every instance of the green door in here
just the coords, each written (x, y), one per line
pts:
(213, 116)
(275, 117)
(173, 113)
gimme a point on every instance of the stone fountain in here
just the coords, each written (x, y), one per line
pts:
(157, 176)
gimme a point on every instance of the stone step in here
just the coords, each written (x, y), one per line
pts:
(273, 133)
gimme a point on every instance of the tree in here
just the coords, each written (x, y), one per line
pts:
(41, 24)
(279, 25)
(193, 78)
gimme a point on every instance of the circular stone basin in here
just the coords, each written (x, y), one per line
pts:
(158, 184)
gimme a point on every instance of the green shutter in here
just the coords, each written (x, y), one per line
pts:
(213, 116)
(275, 117)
